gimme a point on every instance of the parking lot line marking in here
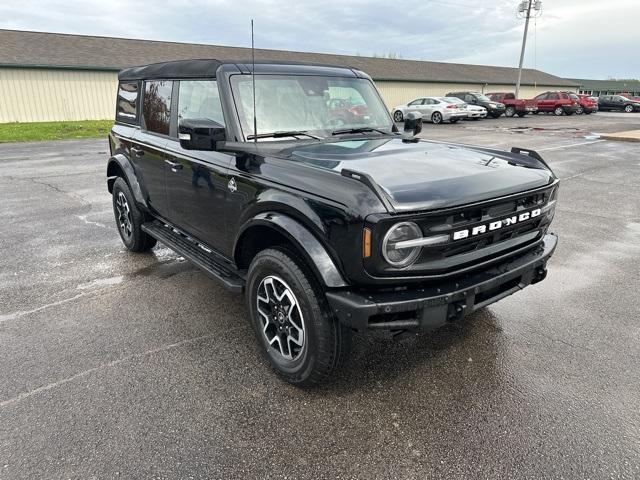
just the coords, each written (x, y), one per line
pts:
(569, 146)
(113, 363)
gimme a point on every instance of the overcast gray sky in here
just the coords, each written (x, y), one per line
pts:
(572, 38)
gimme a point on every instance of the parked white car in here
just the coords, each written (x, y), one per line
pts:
(433, 109)
(474, 112)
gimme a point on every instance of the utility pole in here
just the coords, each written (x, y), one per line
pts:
(525, 8)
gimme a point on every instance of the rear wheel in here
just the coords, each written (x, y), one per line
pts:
(628, 108)
(510, 112)
(558, 111)
(129, 219)
(298, 333)
(436, 117)
(397, 116)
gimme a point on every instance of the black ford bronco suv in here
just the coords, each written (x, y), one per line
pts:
(330, 222)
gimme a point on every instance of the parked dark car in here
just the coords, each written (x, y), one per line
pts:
(557, 103)
(326, 230)
(494, 109)
(586, 103)
(617, 102)
(513, 105)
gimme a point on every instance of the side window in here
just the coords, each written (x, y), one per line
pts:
(469, 98)
(127, 102)
(510, 96)
(552, 96)
(542, 96)
(417, 102)
(156, 108)
(200, 99)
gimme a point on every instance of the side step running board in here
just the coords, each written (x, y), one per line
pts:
(212, 263)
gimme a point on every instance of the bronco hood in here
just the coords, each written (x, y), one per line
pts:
(428, 175)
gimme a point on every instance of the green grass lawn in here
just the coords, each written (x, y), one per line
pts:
(35, 132)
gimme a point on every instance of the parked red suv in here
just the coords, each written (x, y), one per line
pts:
(515, 106)
(556, 102)
(586, 103)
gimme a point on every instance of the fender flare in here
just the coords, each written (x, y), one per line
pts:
(314, 252)
(125, 166)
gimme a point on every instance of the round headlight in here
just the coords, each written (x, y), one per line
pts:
(401, 232)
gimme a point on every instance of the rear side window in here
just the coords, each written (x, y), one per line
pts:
(127, 103)
(156, 109)
(199, 99)
(552, 96)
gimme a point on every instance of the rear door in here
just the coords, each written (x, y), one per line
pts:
(197, 181)
(147, 151)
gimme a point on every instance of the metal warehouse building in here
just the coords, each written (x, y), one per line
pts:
(51, 76)
(607, 87)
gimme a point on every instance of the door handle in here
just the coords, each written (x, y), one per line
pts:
(138, 152)
(175, 166)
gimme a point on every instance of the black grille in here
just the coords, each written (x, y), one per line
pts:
(456, 254)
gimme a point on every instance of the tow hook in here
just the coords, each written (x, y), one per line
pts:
(541, 274)
(456, 311)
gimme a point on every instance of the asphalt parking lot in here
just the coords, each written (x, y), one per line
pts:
(114, 364)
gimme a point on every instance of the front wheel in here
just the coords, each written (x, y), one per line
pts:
(300, 336)
(436, 117)
(580, 110)
(510, 112)
(397, 116)
(522, 114)
(129, 219)
(558, 111)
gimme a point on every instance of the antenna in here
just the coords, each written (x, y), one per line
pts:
(253, 81)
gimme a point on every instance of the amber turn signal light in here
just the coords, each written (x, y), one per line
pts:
(366, 243)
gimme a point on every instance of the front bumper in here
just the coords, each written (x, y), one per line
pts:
(430, 307)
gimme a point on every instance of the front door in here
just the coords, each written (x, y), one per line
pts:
(197, 181)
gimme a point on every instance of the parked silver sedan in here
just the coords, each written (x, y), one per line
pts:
(433, 109)
(474, 112)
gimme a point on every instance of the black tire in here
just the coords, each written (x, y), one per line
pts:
(580, 110)
(569, 112)
(588, 112)
(436, 118)
(510, 112)
(522, 114)
(129, 218)
(628, 108)
(558, 111)
(397, 116)
(325, 341)
(496, 115)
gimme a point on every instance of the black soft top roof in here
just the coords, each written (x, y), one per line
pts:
(201, 68)
(206, 68)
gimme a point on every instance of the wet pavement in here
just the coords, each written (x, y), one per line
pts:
(114, 364)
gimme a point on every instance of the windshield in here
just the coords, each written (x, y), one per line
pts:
(483, 98)
(313, 104)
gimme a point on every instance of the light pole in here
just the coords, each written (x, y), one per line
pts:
(525, 8)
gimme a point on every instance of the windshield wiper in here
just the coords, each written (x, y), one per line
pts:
(281, 134)
(359, 130)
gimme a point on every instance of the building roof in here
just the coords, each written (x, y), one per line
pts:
(607, 85)
(56, 50)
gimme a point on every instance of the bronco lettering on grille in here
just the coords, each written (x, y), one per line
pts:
(498, 224)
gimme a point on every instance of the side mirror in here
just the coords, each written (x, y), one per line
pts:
(200, 134)
(413, 123)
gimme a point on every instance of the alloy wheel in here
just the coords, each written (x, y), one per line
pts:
(628, 108)
(397, 116)
(558, 111)
(281, 317)
(124, 215)
(436, 117)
